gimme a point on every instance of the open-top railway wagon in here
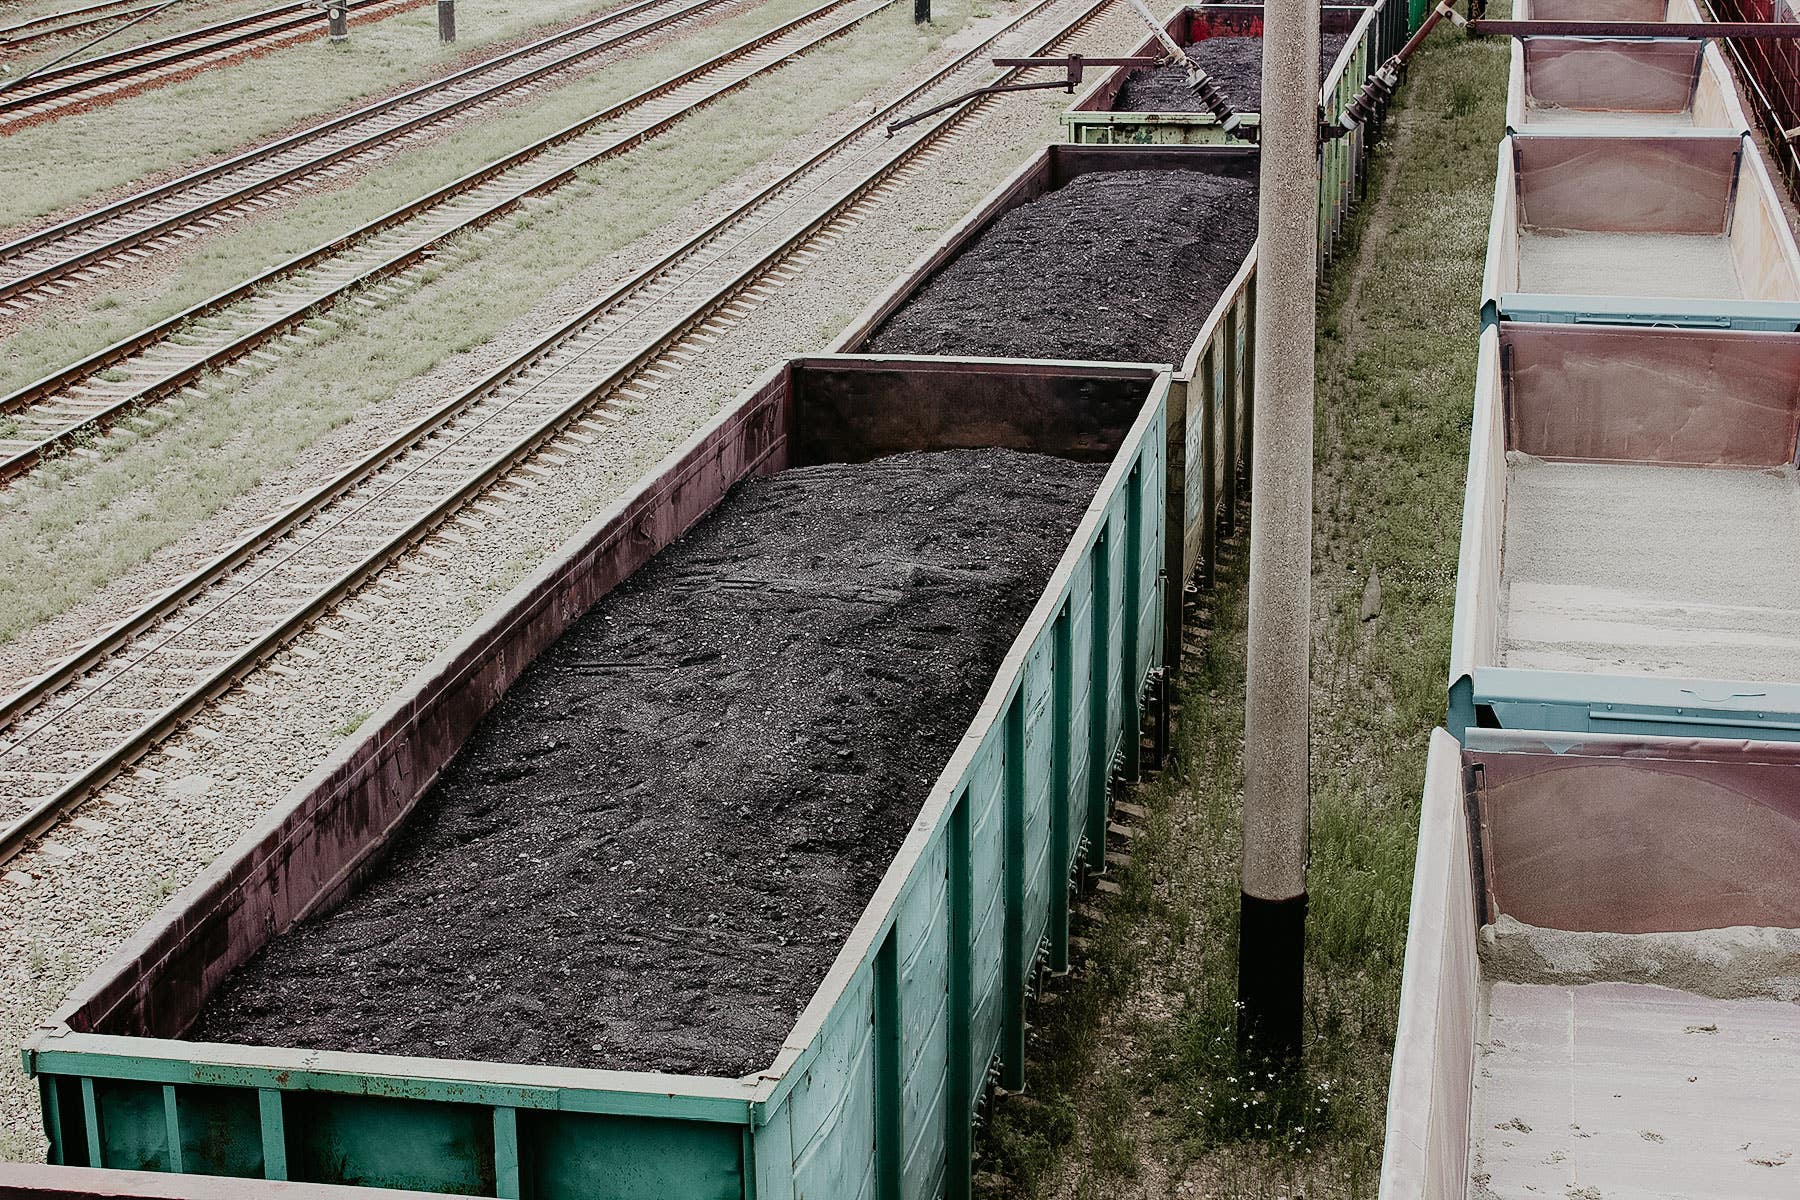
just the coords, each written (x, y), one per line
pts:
(1214, 374)
(1600, 965)
(1110, 111)
(874, 1088)
(1660, 229)
(1629, 533)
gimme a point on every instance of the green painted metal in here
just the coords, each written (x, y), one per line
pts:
(1012, 1044)
(1062, 861)
(172, 1128)
(274, 1133)
(508, 1175)
(888, 1101)
(873, 1095)
(1099, 703)
(959, 1082)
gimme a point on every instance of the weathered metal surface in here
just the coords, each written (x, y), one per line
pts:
(883, 1068)
(1575, 833)
(1426, 1153)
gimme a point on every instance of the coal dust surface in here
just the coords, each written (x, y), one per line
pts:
(1116, 266)
(651, 850)
(1232, 61)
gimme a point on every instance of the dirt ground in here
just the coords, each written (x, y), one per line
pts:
(650, 852)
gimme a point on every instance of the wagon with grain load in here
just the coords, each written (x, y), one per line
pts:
(1666, 228)
(1598, 991)
(1621, 86)
(1631, 534)
(873, 969)
(1154, 105)
(1069, 259)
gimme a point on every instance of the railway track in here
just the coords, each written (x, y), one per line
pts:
(89, 245)
(79, 725)
(74, 405)
(112, 76)
(71, 20)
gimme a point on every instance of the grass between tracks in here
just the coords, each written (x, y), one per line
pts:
(1135, 1089)
(139, 299)
(86, 522)
(59, 163)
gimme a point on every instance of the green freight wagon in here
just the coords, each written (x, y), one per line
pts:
(1208, 454)
(876, 1088)
(1094, 118)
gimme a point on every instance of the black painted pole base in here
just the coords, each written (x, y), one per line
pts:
(922, 11)
(1271, 978)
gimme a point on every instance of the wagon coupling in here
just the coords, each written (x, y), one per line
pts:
(1072, 63)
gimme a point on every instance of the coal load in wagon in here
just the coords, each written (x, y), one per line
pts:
(1115, 266)
(1233, 61)
(650, 852)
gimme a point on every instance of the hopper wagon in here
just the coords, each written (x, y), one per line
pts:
(1629, 534)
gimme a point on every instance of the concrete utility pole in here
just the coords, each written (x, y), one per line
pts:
(337, 20)
(1277, 781)
(446, 20)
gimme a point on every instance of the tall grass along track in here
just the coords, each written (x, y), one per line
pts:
(73, 405)
(71, 20)
(72, 730)
(152, 218)
(113, 76)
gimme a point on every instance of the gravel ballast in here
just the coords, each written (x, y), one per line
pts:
(211, 784)
(1119, 266)
(650, 852)
(1233, 61)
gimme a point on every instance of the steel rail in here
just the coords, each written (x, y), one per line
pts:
(682, 10)
(59, 382)
(119, 65)
(87, 15)
(227, 674)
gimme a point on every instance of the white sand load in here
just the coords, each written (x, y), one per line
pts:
(1680, 571)
(1689, 265)
(1614, 119)
(1634, 1090)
